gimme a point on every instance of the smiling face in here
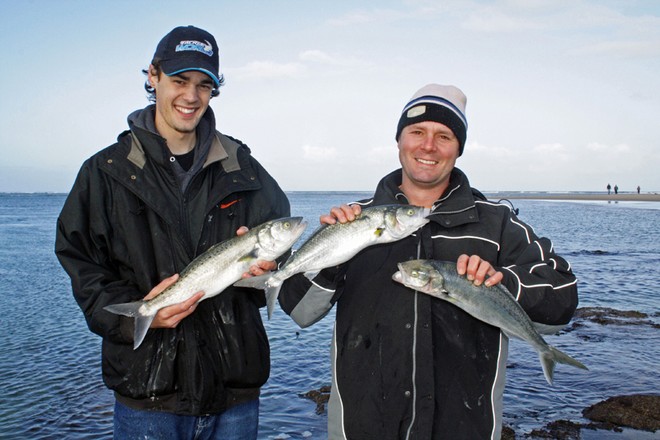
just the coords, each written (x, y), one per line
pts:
(427, 151)
(181, 101)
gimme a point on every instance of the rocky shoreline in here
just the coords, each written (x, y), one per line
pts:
(639, 412)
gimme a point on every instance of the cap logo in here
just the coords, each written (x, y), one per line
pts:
(416, 111)
(204, 47)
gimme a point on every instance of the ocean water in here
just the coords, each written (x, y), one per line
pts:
(50, 382)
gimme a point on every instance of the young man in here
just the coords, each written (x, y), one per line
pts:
(140, 211)
(406, 365)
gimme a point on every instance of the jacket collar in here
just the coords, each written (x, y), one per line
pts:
(145, 140)
(455, 207)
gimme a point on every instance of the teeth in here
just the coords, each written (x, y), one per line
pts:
(427, 162)
(185, 110)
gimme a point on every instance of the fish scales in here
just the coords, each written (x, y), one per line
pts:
(331, 245)
(216, 269)
(493, 305)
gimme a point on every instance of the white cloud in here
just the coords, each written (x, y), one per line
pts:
(268, 70)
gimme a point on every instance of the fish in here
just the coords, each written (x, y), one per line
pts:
(493, 305)
(216, 269)
(331, 245)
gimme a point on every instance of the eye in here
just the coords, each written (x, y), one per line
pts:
(286, 225)
(411, 212)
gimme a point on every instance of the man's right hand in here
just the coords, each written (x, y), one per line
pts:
(171, 316)
(341, 214)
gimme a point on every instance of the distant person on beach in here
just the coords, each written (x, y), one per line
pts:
(406, 365)
(616, 189)
(139, 211)
(638, 189)
(609, 189)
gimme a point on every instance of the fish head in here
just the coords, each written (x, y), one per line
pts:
(277, 236)
(402, 220)
(421, 276)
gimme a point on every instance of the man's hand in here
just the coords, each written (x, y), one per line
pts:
(171, 316)
(478, 270)
(261, 266)
(341, 214)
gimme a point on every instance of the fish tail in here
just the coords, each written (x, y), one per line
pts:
(553, 356)
(132, 310)
(272, 292)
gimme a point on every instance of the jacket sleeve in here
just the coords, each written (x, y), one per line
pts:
(542, 282)
(308, 301)
(81, 246)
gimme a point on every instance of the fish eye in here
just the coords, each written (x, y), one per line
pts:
(411, 211)
(286, 225)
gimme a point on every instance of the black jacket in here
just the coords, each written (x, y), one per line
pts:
(409, 366)
(126, 225)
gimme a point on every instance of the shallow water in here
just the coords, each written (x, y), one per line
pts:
(50, 379)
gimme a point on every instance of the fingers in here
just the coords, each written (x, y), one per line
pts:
(160, 287)
(261, 267)
(171, 316)
(477, 270)
(242, 230)
(341, 214)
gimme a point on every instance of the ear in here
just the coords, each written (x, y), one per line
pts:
(152, 76)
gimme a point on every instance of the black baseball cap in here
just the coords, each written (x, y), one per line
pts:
(188, 48)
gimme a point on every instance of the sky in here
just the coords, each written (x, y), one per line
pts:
(562, 95)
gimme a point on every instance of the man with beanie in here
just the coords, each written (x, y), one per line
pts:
(139, 211)
(406, 365)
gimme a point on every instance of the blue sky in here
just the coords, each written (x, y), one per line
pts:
(562, 94)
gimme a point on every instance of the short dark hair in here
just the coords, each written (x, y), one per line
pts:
(151, 92)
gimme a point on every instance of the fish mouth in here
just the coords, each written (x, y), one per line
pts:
(398, 276)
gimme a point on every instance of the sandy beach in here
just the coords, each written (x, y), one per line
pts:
(625, 197)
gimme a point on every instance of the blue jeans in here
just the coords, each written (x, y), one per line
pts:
(239, 422)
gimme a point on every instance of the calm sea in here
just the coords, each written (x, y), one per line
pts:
(50, 382)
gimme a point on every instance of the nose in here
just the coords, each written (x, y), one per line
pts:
(428, 143)
(191, 94)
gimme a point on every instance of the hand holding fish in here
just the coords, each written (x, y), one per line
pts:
(260, 267)
(171, 316)
(341, 214)
(476, 269)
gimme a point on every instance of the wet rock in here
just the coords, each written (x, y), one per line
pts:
(508, 433)
(557, 430)
(608, 316)
(320, 397)
(634, 411)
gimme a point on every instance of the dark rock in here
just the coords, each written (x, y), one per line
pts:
(508, 433)
(634, 411)
(608, 316)
(320, 397)
(558, 430)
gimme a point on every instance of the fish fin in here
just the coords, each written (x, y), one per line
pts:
(553, 356)
(258, 282)
(379, 231)
(272, 292)
(546, 329)
(142, 322)
(249, 256)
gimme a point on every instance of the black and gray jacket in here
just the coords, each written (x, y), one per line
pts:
(406, 365)
(127, 224)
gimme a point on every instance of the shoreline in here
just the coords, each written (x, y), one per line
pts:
(626, 197)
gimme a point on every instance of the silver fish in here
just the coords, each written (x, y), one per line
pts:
(493, 305)
(216, 269)
(331, 245)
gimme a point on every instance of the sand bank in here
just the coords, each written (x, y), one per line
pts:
(626, 197)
